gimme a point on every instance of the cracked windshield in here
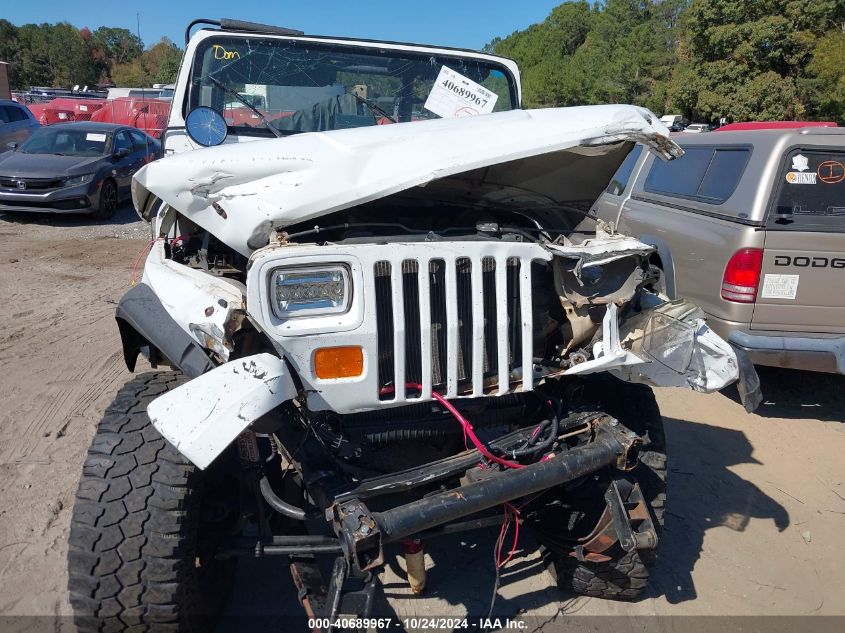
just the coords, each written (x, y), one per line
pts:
(268, 87)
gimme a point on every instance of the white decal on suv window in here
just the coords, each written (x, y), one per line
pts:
(800, 163)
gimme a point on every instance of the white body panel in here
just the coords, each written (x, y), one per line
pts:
(201, 304)
(242, 193)
(202, 417)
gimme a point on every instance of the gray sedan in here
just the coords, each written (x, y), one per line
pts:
(74, 168)
(17, 123)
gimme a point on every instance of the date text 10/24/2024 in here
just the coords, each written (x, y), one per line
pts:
(418, 624)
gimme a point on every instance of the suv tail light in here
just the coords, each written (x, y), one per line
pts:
(742, 276)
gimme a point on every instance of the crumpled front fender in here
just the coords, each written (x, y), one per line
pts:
(711, 365)
(202, 417)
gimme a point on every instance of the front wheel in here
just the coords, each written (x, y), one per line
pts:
(139, 553)
(625, 575)
(108, 201)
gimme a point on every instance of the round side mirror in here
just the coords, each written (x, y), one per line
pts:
(206, 126)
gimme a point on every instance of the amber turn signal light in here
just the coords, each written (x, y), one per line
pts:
(338, 362)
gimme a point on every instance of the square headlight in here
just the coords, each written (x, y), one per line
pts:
(310, 291)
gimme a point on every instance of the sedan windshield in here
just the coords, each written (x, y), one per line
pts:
(67, 141)
(302, 86)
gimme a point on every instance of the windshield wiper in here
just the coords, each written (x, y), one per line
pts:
(237, 95)
(374, 107)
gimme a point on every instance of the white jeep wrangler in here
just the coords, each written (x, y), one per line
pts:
(378, 311)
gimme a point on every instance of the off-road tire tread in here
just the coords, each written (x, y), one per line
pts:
(625, 576)
(132, 532)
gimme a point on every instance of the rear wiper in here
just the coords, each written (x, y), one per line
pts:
(237, 95)
(374, 108)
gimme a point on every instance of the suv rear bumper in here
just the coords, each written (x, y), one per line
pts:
(793, 352)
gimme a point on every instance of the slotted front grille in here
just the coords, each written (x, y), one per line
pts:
(456, 325)
(30, 184)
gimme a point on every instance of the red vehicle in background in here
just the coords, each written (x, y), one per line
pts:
(39, 111)
(773, 125)
(64, 110)
(149, 115)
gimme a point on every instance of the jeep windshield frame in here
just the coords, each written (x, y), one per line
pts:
(306, 85)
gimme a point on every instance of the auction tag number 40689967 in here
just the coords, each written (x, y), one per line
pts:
(454, 95)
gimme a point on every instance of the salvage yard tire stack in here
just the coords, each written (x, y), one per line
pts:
(135, 557)
(625, 576)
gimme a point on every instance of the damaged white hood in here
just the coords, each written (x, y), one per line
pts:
(241, 192)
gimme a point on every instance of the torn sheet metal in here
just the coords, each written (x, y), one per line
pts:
(207, 307)
(603, 248)
(600, 270)
(713, 366)
(241, 192)
(202, 417)
(694, 356)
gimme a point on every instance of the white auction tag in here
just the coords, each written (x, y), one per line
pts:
(91, 136)
(454, 95)
(83, 108)
(780, 286)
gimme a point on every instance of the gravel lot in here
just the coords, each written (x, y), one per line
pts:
(756, 502)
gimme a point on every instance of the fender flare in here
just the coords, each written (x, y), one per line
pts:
(668, 264)
(144, 323)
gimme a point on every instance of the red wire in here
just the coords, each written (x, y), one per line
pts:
(510, 511)
(467, 428)
(135, 265)
(470, 433)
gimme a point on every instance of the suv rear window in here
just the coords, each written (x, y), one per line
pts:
(812, 184)
(707, 174)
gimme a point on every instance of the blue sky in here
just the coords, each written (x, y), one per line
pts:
(462, 23)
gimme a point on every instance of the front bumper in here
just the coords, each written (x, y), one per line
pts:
(362, 533)
(78, 199)
(793, 352)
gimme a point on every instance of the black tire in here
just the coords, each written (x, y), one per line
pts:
(135, 558)
(625, 576)
(108, 200)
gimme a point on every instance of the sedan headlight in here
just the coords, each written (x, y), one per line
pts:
(310, 291)
(78, 180)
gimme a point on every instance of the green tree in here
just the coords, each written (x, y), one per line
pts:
(158, 64)
(824, 87)
(46, 55)
(745, 59)
(10, 51)
(121, 46)
(612, 51)
(69, 61)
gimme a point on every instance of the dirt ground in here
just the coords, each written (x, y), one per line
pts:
(756, 506)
